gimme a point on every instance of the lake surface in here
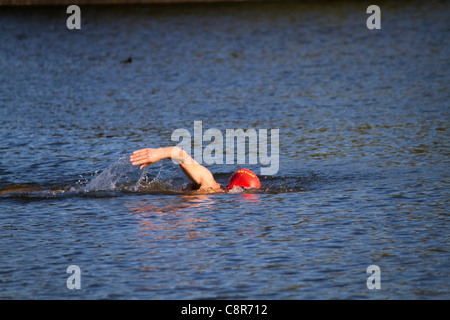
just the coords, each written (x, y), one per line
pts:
(363, 119)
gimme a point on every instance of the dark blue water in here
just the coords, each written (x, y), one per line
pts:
(363, 175)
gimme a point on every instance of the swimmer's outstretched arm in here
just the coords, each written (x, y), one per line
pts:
(197, 173)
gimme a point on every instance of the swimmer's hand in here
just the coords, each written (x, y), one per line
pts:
(146, 157)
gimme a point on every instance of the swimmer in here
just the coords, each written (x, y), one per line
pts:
(201, 178)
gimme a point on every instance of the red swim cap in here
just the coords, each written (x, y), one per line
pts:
(244, 178)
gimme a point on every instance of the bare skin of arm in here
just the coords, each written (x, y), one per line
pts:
(198, 174)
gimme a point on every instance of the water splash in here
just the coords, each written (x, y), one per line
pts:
(123, 176)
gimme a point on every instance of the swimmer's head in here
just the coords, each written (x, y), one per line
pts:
(244, 178)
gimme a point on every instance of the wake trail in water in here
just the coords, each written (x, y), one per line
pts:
(120, 176)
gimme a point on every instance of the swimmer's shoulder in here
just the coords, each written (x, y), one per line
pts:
(196, 188)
